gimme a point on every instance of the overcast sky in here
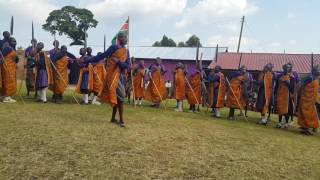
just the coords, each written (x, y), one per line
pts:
(271, 25)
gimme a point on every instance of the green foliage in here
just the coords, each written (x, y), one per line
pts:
(165, 42)
(181, 44)
(70, 21)
(193, 41)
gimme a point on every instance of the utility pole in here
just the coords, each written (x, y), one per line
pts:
(239, 43)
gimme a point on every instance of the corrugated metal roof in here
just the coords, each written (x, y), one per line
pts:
(174, 53)
(256, 61)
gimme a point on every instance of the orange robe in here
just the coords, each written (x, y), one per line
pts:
(194, 95)
(88, 69)
(233, 100)
(48, 68)
(138, 83)
(220, 96)
(283, 95)
(60, 78)
(99, 74)
(307, 112)
(180, 84)
(109, 91)
(9, 74)
(156, 87)
(267, 80)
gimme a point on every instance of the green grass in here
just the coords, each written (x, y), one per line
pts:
(69, 141)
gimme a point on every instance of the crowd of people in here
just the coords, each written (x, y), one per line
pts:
(112, 76)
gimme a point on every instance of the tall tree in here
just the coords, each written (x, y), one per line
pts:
(71, 21)
(181, 44)
(193, 41)
(165, 42)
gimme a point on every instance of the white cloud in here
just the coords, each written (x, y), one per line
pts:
(36, 10)
(291, 15)
(232, 42)
(210, 11)
(275, 44)
(137, 8)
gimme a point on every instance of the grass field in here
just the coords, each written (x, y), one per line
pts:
(69, 141)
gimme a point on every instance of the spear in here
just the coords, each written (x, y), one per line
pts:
(104, 43)
(11, 26)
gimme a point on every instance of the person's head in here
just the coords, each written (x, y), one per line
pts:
(316, 70)
(82, 51)
(6, 35)
(12, 42)
(268, 67)
(141, 62)
(158, 61)
(40, 46)
(290, 64)
(122, 38)
(133, 59)
(180, 65)
(89, 50)
(217, 69)
(34, 42)
(243, 69)
(99, 53)
(64, 48)
(55, 43)
(287, 68)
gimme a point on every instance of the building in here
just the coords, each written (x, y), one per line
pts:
(172, 55)
(256, 61)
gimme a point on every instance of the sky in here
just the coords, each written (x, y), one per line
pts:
(272, 26)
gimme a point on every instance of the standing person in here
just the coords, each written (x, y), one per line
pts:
(43, 72)
(249, 91)
(217, 90)
(114, 85)
(193, 93)
(156, 90)
(30, 75)
(99, 75)
(308, 119)
(85, 81)
(55, 49)
(5, 41)
(236, 93)
(285, 86)
(60, 73)
(8, 65)
(138, 82)
(180, 85)
(266, 83)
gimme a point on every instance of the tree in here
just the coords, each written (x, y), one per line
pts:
(193, 41)
(181, 44)
(156, 44)
(71, 21)
(165, 42)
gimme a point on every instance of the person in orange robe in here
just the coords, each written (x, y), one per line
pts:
(180, 86)
(8, 65)
(43, 72)
(285, 86)
(236, 93)
(85, 81)
(217, 90)
(266, 83)
(308, 119)
(138, 82)
(60, 62)
(193, 89)
(99, 74)
(118, 62)
(156, 89)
